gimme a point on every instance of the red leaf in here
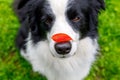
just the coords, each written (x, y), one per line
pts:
(61, 37)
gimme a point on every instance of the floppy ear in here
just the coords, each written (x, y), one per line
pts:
(19, 8)
(96, 6)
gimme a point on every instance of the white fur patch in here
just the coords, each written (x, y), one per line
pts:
(73, 68)
(61, 25)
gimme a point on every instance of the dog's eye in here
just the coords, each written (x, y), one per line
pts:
(49, 20)
(76, 19)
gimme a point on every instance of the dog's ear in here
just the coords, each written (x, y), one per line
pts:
(102, 4)
(20, 3)
(96, 6)
(99, 4)
(18, 6)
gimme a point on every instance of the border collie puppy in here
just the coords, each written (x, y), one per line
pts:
(59, 37)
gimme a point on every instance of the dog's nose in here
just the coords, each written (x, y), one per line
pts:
(63, 48)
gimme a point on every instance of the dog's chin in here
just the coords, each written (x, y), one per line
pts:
(70, 54)
(62, 56)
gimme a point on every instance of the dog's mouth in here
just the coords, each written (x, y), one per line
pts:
(62, 46)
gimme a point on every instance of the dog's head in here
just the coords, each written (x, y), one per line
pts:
(61, 22)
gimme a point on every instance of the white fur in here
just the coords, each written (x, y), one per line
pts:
(73, 68)
(61, 26)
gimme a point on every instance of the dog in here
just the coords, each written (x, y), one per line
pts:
(59, 37)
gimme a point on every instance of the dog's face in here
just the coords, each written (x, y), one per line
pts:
(49, 19)
(70, 18)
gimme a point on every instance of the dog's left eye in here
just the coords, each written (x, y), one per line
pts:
(76, 19)
(49, 20)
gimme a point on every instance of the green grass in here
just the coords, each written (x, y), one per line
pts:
(106, 67)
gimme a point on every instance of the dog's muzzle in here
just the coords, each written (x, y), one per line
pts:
(62, 44)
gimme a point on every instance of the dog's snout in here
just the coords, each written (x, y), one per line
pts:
(63, 48)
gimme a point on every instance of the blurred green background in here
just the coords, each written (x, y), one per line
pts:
(106, 67)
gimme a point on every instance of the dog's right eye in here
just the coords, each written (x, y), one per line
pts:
(76, 19)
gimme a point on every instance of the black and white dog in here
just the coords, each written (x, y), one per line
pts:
(59, 37)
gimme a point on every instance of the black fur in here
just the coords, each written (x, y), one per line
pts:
(35, 16)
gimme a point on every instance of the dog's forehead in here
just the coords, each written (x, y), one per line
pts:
(58, 6)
